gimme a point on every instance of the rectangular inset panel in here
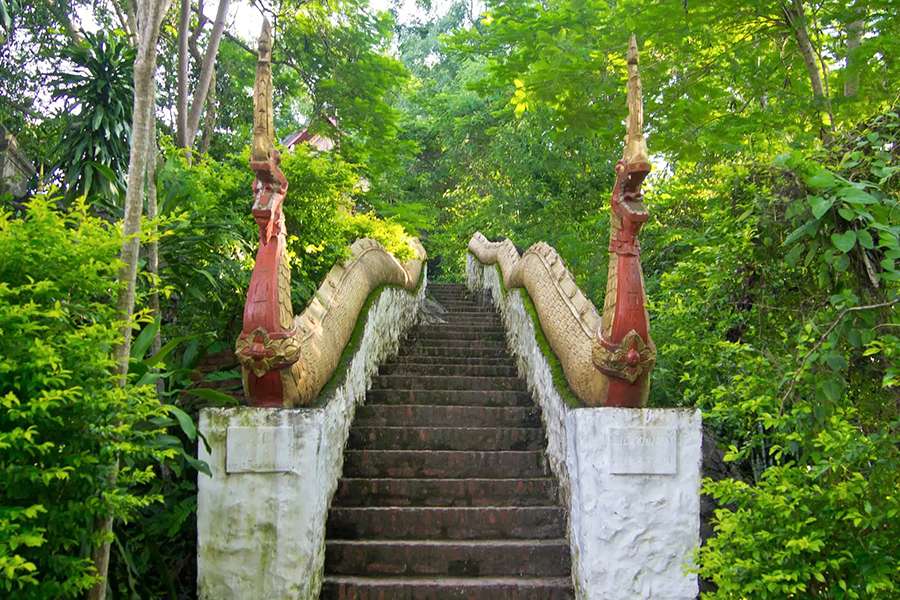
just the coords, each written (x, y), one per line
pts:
(259, 450)
(643, 451)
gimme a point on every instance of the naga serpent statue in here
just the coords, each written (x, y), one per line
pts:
(287, 359)
(607, 358)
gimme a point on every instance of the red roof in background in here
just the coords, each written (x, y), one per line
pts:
(317, 141)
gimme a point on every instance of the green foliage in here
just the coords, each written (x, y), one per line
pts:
(784, 332)
(729, 77)
(321, 222)
(8, 9)
(207, 244)
(338, 49)
(64, 423)
(822, 528)
(98, 93)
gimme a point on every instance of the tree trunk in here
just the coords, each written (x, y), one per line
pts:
(150, 14)
(153, 250)
(209, 121)
(184, 71)
(206, 73)
(796, 17)
(854, 39)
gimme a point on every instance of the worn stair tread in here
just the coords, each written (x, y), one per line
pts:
(449, 415)
(448, 382)
(442, 588)
(452, 581)
(447, 523)
(445, 464)
(438, 492)
(457, 397)
(487, 543)
(389, 437)
(452, 370)
(520, 557)
(418, 360)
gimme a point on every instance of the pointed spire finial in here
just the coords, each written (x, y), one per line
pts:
(635, 146)
(263, 124)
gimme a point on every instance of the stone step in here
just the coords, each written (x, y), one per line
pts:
(472, 345)
(446, 588)
(447, 382)
(540, 491)
(444, 464)
(418, 523)
(499, 361)
(470, 370)
(537, 491)
(469, 323)
(521, 558)
(411, 415)
(457, 299)
(447, 438)
(493, 350)
(448, 398)
(457, 325)
(438, 336)
(475, 317)
(455, 328)
(467, 308)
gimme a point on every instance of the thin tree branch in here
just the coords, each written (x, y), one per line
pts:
(209, 63)
(821, 341)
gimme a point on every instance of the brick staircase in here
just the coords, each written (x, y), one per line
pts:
(446, 492)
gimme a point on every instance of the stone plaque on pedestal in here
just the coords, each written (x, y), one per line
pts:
(643, 451)
(259, 450)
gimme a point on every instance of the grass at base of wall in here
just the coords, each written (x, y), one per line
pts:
(560, 383)
(353, 344)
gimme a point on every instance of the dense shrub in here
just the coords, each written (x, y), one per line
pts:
(774, 307)
(64, 423)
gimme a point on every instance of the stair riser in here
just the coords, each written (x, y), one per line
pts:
(444, 465)
(445, 524)
(498, 398)
(451, 370)
(436, 338)
(455, 326)
(483, 312)
(462, 351)
(445, 329)
(447, 416)
(446, 492)
(422, 382)
(463, 438)
(423, 345)
(436, 591)
(450, 360)
(459, 560)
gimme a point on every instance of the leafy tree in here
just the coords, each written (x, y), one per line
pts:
(64, 419)
(98, 93)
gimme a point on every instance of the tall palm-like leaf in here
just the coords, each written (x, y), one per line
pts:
(98, 92)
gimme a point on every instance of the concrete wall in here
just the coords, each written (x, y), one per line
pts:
(261, 516)
(629, 477)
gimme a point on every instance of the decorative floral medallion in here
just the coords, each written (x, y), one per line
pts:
(261, 352)
(628, 360)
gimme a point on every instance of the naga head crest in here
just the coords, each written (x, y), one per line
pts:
(635, 146)
(263, 125)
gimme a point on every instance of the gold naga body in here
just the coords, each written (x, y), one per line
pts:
(286, 359)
